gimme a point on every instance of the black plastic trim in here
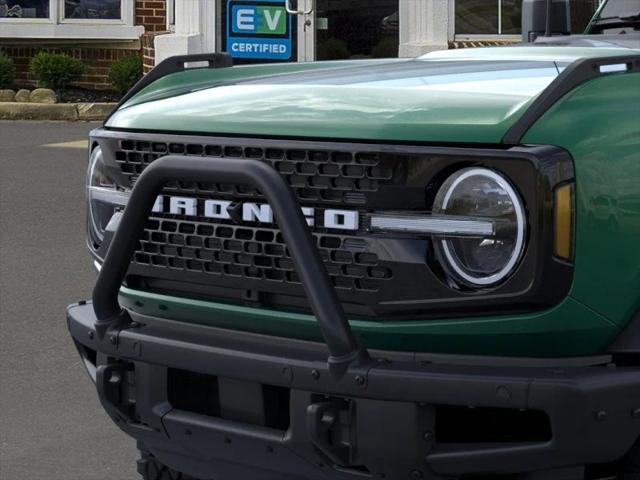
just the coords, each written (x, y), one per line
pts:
(343, 348)
(592, 407)
(172, 65)
(572, 76)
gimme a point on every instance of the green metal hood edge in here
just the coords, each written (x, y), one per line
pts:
(569, 329)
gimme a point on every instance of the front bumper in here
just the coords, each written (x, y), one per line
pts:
(383, 417)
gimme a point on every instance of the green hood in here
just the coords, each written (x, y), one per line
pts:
(451, 96)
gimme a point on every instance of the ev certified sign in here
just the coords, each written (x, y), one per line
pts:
(259, 29)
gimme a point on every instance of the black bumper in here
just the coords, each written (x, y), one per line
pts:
(385, 415)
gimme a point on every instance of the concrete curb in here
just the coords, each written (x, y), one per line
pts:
(69, 112)
(94, 111)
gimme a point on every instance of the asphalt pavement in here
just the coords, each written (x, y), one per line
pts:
(51, 424)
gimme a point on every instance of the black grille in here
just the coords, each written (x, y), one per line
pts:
(377, 276)
(219, 249)
(248, 262)
(255, 253)
(315, 175)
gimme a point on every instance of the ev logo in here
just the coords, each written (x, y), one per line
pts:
(260, 20)
(259, 29)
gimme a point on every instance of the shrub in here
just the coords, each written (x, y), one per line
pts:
(55, 70)
(7, 71)
(125, 72)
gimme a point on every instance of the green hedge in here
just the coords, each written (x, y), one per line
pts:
(55, 70)
(125, 72)
(7, 71)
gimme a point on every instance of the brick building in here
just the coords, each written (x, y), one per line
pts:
(99, 31)
(95, 31)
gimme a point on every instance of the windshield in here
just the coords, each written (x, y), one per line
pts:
(619, 9)
(616, 16)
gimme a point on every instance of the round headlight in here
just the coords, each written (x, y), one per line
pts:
(482, 194)
(103, 195)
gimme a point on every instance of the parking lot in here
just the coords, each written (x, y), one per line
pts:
(51, 424)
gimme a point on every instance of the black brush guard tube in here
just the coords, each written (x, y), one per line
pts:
(344, 349)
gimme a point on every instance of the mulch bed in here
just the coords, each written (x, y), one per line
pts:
(80, 95)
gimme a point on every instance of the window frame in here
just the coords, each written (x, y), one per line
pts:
(50, 19)
(102, 21)
(57, 26)
(170, 8)
(485, 36)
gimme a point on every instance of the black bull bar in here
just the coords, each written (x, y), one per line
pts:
(344, 349)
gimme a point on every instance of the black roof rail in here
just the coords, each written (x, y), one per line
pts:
(175, 64)
(572, 76)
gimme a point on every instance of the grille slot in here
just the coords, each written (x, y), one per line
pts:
(315, 175)
(256, 253)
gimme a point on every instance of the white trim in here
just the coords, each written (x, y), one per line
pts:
(56, 26)
(170, 15)
(306, 33)
(71, 30)
(26, 21)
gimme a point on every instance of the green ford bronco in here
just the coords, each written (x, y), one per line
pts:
(386, 269)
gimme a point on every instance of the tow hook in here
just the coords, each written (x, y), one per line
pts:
(111, 382)
(330, 426)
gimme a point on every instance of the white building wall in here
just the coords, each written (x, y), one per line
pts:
(425, 25)
(191, 30)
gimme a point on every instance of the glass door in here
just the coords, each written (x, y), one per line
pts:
(348, 29)
(265, 31)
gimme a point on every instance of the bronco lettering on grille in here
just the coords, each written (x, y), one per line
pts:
(250, 212)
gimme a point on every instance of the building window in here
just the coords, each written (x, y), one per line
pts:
(93, 9)
(488, 17)
(18, 9)
(504, 17)
(69, 19)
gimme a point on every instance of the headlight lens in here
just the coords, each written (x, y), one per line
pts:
(103, 195)
(482, 194)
